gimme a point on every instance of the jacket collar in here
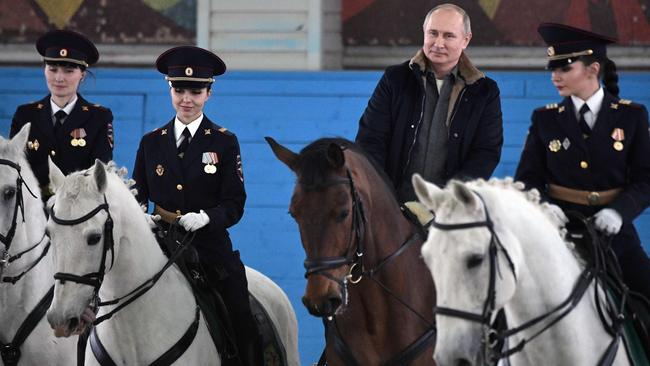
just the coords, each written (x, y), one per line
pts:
(466, 70)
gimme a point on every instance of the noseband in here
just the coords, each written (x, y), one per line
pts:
(7, 239)
(491, 335)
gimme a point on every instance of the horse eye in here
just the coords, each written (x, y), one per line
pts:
(94, 239)
(9, 193)
(341, 216)
(474, 261)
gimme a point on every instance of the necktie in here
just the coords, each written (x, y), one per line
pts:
(584, 127)
(184, 143)
(58, 119)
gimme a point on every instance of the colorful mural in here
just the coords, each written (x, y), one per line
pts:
(495, 22)
(103, 21)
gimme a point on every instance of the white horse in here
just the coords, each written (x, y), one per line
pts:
(531, 267)
(149, 326)
(27, 278)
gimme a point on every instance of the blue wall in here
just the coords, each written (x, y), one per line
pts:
(295, 108)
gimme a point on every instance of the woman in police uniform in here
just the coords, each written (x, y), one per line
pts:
(191, 170)
(590, 152)
(64, 126)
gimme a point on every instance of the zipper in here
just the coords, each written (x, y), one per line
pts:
(453, 112)
(417, 128)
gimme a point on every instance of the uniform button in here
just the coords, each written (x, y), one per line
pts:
(178, 212)
(53, 153)
(412, 126)
(584, 164)
(179, 187)
(455, 135)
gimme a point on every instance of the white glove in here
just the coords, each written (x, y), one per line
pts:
(152, 220)
(608, 221)
(193, 221)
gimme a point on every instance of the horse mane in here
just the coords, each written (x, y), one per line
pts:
(534, 197)
(315, 169)
(78, 184)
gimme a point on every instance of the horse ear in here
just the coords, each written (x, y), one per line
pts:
(99, 172)
(425, 191)
(464, 194)
(335, 156)
(288, 157)
(55, 174)
(19, 141)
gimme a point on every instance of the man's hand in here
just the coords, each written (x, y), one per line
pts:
(193, 221)
(608, 221)
(152, 220)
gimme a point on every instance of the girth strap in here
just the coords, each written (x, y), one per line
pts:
(167, 358)
(10, 352)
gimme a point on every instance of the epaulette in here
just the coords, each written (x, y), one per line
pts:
(224, 131)
(624, 101)
(551, 106)
(547, 107)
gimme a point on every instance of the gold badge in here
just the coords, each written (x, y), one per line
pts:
(74, 142)
(189, 71)
(82, 142)
(555, 145)
(63, 52)
(39, 106)
(550, 51)
(163, 131)
(207, 131)
(84, 108)
(160, 170)
(618, 146)
(560, 109)
(78, 135)
(613, 106)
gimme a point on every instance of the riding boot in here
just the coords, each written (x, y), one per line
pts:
(250, 351)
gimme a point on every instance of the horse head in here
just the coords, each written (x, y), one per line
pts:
(84, 241)
(474, 264)
(327, 205)
(17, 183)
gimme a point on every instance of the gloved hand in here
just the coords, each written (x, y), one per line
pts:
(193, 221)
(608, 221)
(152, 220)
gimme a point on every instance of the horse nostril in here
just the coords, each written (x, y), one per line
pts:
(73, 323)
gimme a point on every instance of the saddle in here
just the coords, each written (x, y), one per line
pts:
(214, 310)
(596, 251)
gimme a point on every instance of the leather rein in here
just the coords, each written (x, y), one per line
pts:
(353, 257)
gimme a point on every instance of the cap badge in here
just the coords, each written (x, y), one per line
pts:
(555, 145)
(550, 51)
(189, 71)
(63, 52)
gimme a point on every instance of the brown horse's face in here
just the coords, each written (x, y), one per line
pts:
(324, 218)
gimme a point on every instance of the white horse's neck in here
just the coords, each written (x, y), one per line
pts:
(546, 278)
(17, 300)
(137, 260)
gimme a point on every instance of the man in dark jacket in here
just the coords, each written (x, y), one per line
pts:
(436, 114)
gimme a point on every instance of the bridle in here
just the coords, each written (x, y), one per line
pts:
(353, 257)
(492, 336)
(7, 239)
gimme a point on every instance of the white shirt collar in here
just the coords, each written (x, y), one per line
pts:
(192, 126)
(68, 107)
(594, 102)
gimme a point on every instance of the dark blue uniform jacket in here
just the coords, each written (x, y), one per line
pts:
(183, 185)
(95, 120)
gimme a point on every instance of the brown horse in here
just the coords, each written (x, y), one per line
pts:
(365, 277)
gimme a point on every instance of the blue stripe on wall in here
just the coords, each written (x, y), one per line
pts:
(295, 108)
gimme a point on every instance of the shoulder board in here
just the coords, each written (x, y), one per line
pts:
(224, 131)
(547, 107)
(551, 106)
(624, 101)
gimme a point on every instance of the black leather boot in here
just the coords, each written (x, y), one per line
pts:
(251, 353)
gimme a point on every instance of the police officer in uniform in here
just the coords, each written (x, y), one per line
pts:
(191, 170)
(65, 126)
(590, 153)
